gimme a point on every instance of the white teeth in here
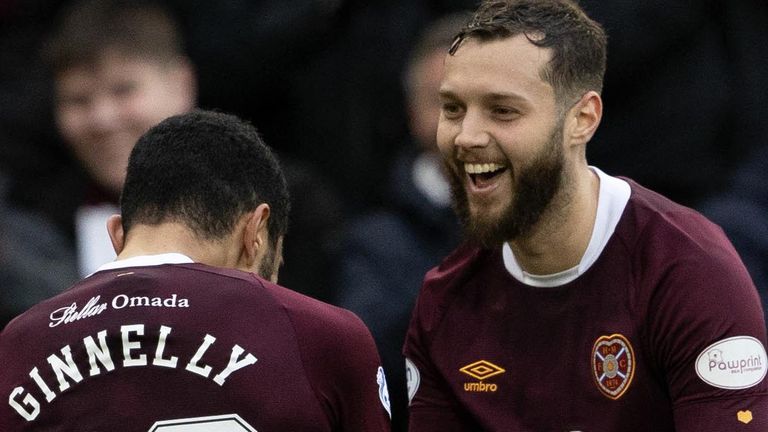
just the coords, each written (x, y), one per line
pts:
(474, 168)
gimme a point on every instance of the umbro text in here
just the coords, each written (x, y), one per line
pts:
(480, 387)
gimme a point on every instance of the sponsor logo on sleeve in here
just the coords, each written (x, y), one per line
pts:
(734, 363)
(381, 380)
(613, 365)
(412, 379)
(481, 370)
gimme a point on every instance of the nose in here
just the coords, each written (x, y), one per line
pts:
(103, 113)
(473, 132)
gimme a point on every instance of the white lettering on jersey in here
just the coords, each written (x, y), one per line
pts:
(123, 301)
(222, 423)
(28, 401)
(192, 366)
(66, 366)
(734, 363)
(412, 378)
(70, 313)
(100, 353)
(128, 346)
(234, 364)
(159, 360)
(67, 372)
(35, 375)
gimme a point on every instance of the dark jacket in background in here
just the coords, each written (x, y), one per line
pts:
(383, 259)
(742, 212)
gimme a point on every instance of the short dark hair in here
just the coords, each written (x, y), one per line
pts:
(578, 43)
(137, 28)
(203, 169)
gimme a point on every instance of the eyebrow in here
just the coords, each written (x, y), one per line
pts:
(505, 96)
(490, 97)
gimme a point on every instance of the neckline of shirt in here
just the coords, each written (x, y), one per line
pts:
(613, 196)
(147, 260)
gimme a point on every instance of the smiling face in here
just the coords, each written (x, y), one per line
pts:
(103, 109)
(501, 135)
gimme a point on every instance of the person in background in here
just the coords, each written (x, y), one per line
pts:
(580, 300)
(188, 328)
(110, 87)
(384, 254)
(119, 68)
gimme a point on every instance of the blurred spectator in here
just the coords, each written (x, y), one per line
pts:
(110, 87)
(119, 68)
(385, 254)
(742, 212)
(318, 77)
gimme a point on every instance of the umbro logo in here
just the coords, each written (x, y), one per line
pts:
(481, 370)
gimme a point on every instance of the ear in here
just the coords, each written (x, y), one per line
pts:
(585, 117)
(116, 233)
(256, 236)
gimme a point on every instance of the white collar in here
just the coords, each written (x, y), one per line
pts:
(147, 260)
(612, 199)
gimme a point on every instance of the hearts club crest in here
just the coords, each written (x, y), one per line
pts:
(613, 365)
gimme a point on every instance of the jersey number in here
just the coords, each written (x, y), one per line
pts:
(220, 423)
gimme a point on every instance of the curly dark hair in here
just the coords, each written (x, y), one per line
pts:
(577, 42)
(203, 169)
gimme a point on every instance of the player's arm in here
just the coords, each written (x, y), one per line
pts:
(344, 369)
(709, 336)
(432, 406)
(361, 383)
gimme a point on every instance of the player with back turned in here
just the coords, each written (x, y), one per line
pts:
(581, 301)
(187, 329)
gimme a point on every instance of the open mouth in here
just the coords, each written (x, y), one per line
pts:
(483, 174)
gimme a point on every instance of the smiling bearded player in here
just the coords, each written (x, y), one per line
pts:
(580, 301)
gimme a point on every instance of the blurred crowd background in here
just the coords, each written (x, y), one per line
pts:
(344, 91)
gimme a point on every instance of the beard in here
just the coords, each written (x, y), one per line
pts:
(534, 188)
(270, 265)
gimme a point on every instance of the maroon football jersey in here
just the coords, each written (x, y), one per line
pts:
(188, 347)
(663, 332)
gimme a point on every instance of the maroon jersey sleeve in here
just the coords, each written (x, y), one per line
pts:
(432, 405)
(708, 333)
(344, 368)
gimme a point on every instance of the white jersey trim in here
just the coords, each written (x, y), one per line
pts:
(612, 200)
(147, 260)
